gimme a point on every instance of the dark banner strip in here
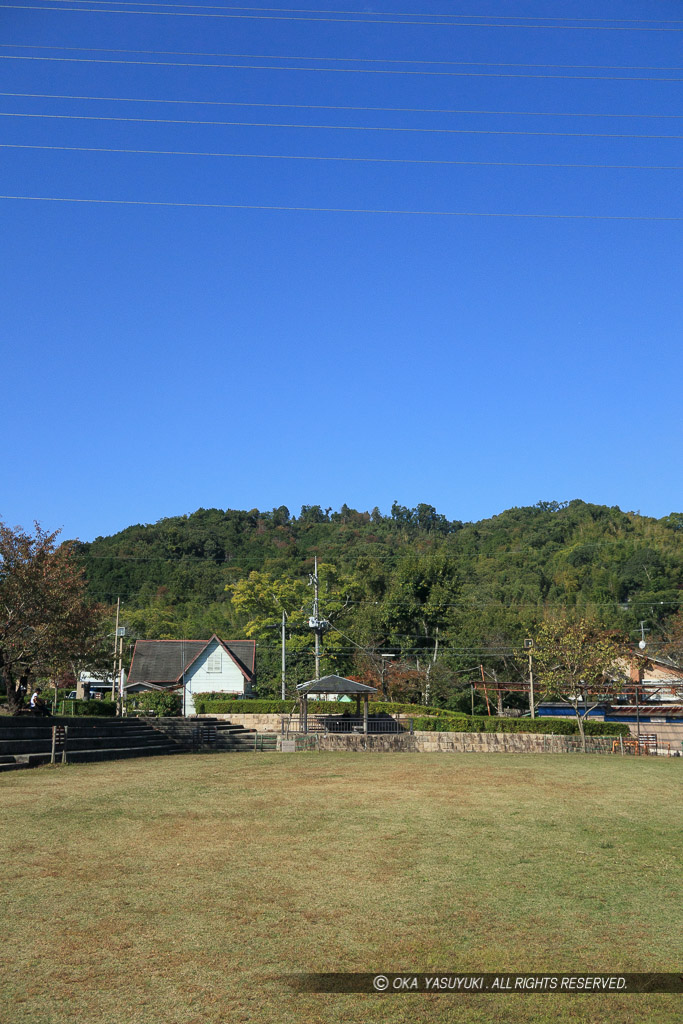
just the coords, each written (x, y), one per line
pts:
(470, 984)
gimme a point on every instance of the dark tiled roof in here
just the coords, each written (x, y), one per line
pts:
(334, 684)
(164, 661)
(244, 651)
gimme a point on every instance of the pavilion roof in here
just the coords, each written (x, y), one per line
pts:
(334, 684)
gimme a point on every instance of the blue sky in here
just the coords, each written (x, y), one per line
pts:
(162, 358)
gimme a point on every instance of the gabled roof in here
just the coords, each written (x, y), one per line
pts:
(166, 661)
(334, 684)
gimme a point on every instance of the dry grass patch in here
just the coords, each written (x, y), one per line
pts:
(178, 890)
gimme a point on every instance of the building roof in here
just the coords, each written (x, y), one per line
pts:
(166, 661)
(646, 710)
(334, 684)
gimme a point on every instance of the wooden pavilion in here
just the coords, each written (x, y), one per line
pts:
(336, 686)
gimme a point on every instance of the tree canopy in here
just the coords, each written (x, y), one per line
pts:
(445, 597)
(46, 623)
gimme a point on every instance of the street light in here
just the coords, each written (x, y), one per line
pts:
(385, 658)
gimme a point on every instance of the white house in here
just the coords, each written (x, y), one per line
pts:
(193, 666)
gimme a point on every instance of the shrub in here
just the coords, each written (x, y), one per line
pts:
(431, 719)
(556, 726)
(239, 706)
(96, 708)
(166, 705)
(441, 725)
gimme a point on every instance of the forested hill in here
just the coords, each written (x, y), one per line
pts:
(613, 565)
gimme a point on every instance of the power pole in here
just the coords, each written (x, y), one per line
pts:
(284, 618)
(120, 633)
(116, 640)
(315, 622)
(385, 666)
(317, 619)
(529, 644)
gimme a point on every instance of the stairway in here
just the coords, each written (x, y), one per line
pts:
(210, 734)
(26, 742)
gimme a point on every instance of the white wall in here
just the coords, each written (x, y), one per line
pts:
(226, 676)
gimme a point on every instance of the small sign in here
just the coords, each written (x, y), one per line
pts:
(288, 747)
(120, 630)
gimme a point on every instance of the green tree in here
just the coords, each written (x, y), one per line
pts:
(578, 662)
(46, 624)
(258, 602)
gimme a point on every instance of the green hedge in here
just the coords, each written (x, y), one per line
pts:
(207, 706)
(556, 726)
(166, 705)
(221, 705)
(97, 708)
(430, 719)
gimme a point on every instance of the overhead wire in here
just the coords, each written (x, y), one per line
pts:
(343, 127)
(346, 60)
(398, 14)
(376, 19)
(331, 106)
(343, 71)
(344, 159)
(342, 209)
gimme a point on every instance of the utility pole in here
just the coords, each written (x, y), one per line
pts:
(385, 666)
(314, 622)
(284, 619)
(638, 718)
(529, 644)
(182, 670)
(118, 679)
(116, 640)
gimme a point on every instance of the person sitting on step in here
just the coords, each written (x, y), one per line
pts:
(38, 705)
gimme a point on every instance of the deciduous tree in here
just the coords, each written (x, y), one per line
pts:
(45, 623)
(578, 662)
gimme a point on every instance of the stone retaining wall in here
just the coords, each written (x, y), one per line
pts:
(454, 743)
(262, 723)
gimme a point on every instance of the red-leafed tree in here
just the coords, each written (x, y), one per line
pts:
(45, 622)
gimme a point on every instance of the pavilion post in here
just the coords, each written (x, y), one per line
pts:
(365, 713)
(305, 713)
(357, 705)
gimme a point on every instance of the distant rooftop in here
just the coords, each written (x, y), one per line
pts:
(334, 684)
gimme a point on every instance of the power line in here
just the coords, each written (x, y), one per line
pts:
(338, 209)
(376, 20)
(398, 14)
(331, 106)
(347, 60)
(343, 71)
(343, 127)
(345, 159)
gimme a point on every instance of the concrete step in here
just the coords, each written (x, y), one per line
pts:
(40, 732)
(105, 754)
(29, 743)
(26, 746)
(13, 766)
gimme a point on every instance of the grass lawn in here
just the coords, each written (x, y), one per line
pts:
(177, 890)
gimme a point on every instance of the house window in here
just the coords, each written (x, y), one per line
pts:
(213, 663)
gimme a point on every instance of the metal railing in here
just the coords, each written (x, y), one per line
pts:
(345, 725)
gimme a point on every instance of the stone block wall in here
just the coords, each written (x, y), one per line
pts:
(454, 743)
(261, 723)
